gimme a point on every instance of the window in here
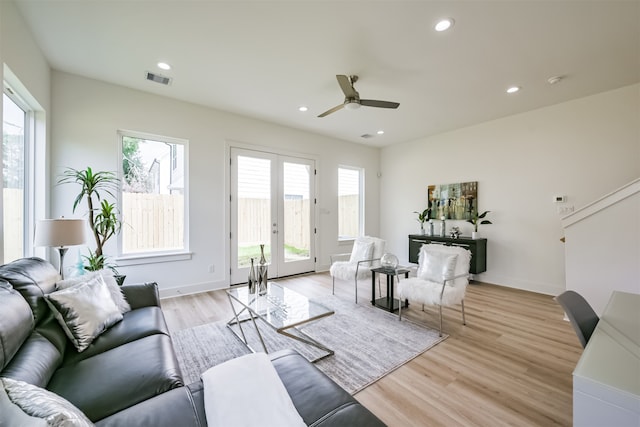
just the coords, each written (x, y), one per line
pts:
(350, 203)
(15, 143)
(154, 171)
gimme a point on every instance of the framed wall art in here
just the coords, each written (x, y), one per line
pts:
(453, 201)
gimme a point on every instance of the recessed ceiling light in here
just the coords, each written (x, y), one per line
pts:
(303, 108)
(164, 66)
(380, 132)
(444, 24)
(513, 89)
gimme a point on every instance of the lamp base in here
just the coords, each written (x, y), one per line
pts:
(61, 251)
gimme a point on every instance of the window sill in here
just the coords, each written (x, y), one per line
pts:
(346, 241)
(153, 258)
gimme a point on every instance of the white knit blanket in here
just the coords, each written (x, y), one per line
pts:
(247, 391)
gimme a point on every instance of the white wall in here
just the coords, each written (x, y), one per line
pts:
(87, 115)
(26, 70)
(603, 247)
(582, 149)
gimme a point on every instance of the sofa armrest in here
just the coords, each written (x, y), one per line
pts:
(142, 294)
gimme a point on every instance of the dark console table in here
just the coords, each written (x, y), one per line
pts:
(478, 248)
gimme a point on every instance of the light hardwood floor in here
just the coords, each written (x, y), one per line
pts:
(510, 365)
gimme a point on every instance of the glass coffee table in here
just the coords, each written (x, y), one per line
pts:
(282, 309)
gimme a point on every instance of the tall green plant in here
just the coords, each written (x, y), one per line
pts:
(102, 214)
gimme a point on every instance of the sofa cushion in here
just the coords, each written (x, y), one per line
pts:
(316, 396)
(175, 407)
(135, 324)
(33, 278)
(16, 322)
(35, 362)
(116, 379)
(43, 404)
(84, 311)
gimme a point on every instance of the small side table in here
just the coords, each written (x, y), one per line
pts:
(387, 303)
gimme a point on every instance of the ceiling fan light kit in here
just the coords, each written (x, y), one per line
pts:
(352, 99)
(351, 105)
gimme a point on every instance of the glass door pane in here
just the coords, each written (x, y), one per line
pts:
(254, 209)
(297, 208)
(296, 219)
(13, 174)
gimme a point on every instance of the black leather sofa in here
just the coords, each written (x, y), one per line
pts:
(129, 375)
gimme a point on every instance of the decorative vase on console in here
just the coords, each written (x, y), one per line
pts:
(251, 281)
(431, 232)
(262, 273)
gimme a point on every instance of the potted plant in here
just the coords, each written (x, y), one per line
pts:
(423, 217)
(103, 218)
(477, 220)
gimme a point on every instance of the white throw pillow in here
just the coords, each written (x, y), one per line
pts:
(378, 249)
(362, 249)
(13, 415)
(40, 403)
(107, 275)
(436, 266)
(84, 311)
(462, 264)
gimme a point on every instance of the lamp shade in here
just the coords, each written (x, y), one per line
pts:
(60, 232)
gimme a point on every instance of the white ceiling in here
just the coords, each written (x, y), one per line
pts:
(263, 59)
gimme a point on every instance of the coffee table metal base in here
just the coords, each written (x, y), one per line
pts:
(251, 316)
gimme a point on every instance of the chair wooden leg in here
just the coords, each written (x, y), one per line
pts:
(440, 320)
(464, 321)
(400, 312)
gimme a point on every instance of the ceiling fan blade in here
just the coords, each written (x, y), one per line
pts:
(379, 104)
(346, 86)
(333, 110)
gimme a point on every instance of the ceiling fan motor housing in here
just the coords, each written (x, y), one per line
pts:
(352, 99)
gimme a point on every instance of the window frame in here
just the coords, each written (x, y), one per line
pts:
(28, 204)
(149, 257)
(361, 203)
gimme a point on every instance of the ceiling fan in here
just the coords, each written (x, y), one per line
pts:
(352, 97)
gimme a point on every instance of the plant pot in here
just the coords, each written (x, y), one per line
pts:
(475, 235)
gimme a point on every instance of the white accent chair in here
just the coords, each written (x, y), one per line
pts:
(366, 253)
(442, 279)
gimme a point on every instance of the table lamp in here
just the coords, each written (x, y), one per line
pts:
(60, 233)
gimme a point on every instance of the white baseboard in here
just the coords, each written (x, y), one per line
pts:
(525, 285)
(196, 288)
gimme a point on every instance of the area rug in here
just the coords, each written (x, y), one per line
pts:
(368, 342)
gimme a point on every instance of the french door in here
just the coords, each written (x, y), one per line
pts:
(272, 203)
